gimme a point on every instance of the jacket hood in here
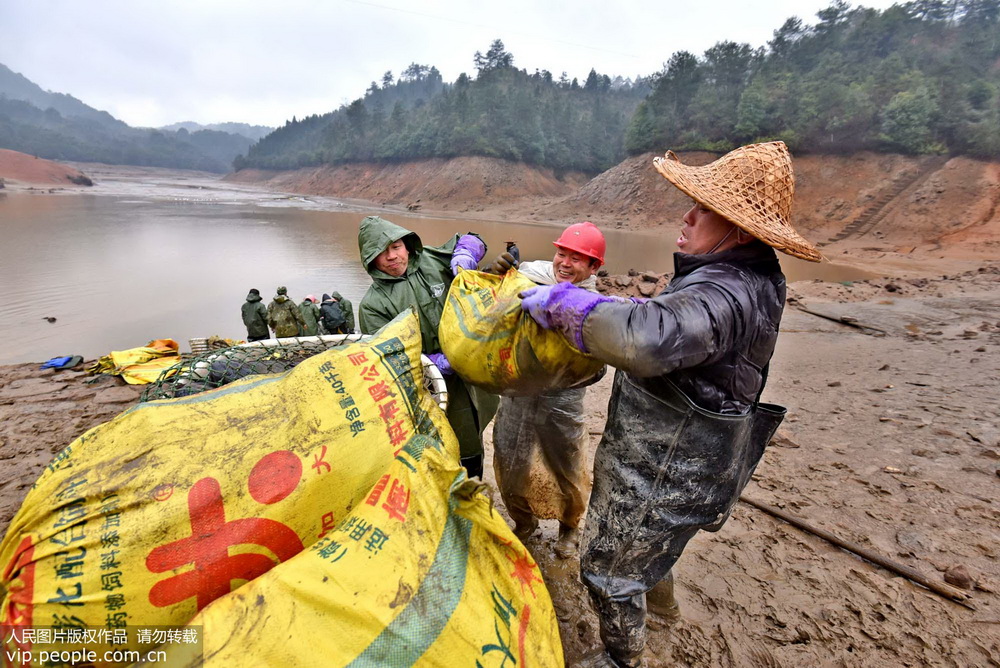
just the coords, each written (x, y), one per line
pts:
(337, 295)
(326, 297)
(251, 297)
(375, 235)
(281, 298)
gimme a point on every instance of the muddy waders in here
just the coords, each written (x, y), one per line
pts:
(664, 470)
(539, 443)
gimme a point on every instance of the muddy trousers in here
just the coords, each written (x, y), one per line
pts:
(537, 441)
(469, 411)
(620, 602)
(664, 470)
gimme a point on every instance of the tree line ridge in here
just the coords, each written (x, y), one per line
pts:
(920, 77)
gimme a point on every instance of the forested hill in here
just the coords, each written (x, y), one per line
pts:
(57, 126)
(503, 112)
(17, 87)
(253, 132)
(919, 77)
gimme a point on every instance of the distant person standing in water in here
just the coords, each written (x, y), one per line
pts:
(283, 315)
(255, 316)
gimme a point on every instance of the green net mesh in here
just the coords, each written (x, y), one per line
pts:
(215, 368)
(207, 371)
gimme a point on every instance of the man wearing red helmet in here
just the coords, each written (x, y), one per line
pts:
(549, 428)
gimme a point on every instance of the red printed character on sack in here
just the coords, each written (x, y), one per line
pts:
(272, 479)
(19, 575)
(524, 567)
(505, 360)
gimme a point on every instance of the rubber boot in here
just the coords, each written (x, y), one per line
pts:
(568, 545)
(623, 627)
(524, 527)
(660, 602)
(601, 659)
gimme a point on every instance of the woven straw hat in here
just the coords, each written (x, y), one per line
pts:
(751, 187)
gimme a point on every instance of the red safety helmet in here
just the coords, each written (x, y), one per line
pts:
(584, 238)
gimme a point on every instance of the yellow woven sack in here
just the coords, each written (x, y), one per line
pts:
(423, 572)
(492, 343)
(148, 518)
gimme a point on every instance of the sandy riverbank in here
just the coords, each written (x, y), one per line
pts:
(20, 171)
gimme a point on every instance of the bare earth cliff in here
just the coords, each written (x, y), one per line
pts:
(889, 203)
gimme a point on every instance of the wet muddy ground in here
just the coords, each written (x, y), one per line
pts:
(892, 442)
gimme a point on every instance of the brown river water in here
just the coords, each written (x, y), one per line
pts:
(151, 255)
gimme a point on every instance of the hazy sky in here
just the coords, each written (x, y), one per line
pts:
(152, 63)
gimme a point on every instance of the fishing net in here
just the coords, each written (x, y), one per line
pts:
(217, 367)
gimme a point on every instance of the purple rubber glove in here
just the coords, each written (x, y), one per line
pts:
(469, 251)
(562, 307)
(442, 363)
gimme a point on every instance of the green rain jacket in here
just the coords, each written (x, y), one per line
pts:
(310, 316)
(424, 286)
(255, 317)
(347, 308)
(284, 317)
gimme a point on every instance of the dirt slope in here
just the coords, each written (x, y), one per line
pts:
(460, 183)
(22, 168)
(877, 203)
(931, 200)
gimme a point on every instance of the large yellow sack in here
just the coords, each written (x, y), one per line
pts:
(149, 517)
(492, 343)
(424, 572)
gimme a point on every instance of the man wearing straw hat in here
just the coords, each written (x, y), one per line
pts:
(685, 424)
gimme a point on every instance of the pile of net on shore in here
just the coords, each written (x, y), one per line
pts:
(219, 367)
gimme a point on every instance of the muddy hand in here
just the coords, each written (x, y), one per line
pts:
(504, 263)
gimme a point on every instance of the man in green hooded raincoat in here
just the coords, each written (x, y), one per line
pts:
(255, 316)
(405, 274)
(310, 316)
